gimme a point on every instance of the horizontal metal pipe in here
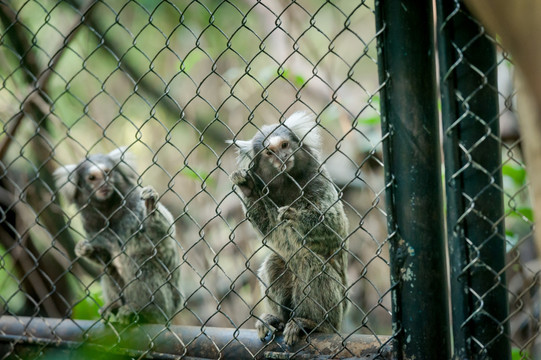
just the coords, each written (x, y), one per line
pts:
(170, 342)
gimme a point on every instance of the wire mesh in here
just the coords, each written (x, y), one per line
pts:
(170, 82)
(509, 235)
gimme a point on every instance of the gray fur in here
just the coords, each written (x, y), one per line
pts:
(291, 200)
(129, 233)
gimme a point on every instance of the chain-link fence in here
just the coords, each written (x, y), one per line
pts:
(494, 286)
(170, 83)
(170, 93)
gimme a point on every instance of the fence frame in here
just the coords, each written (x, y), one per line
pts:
(468, 69)
(416, 222)
(413, 176)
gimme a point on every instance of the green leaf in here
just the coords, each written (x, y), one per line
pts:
(515, 172)
(88, 308)
(373, 120)
(189, 61)
(517, 354)
(199, 176)
(526, 211)
(11, 295)
(299, 80)
(192, 174)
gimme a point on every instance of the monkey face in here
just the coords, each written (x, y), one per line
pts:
(100, 178)
(99, 181)
(288, 150)
(278, 152)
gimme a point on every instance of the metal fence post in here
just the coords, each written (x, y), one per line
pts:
(468, 70)
(413, 174)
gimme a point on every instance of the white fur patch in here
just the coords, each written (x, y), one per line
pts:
(274, 141)
(304, 126)
(301, 123)
(98, 170)
(244, 152)
(65, 183)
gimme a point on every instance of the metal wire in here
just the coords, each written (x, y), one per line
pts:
(171, 81)
(484, 235)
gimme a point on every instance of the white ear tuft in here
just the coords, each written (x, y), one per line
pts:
(126, 162)
(122, 155)
(66, 181)
(304, 126)
(244, 151)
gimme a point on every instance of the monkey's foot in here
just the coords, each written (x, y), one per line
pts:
(108, 311)
(297, 327)
(150, 197)
(292, 332)
(287, 213)
(126, 315)
(84, 249)
(268, 324)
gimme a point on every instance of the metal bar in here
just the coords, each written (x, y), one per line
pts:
(475, 212)
(85, 338)
(413, 174)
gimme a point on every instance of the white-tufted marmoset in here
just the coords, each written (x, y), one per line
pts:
(290, 198)
(129, 233)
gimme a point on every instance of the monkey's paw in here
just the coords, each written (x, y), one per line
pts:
(268, 324)
(239, 177)
(243, 180)
(292, 333)
(150, 197)
(84, 249)
(287, 213)
(126, 315)
(108, 312)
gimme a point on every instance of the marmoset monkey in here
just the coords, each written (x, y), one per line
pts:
(129, 233)
(290, 198)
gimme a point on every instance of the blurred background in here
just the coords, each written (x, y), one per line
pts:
(172, 81)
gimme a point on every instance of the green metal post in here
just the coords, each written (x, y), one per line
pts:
(413, 173)
(475, 212)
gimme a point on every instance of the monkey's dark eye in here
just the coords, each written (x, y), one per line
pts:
(285, 144)
(268, 153)
(91, 177)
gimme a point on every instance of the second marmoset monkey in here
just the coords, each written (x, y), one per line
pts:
(290, 198)
(129, 233)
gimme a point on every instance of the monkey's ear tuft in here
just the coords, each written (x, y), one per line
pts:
(125, 162)
(66, 181)
(245, 151)
(304, 126)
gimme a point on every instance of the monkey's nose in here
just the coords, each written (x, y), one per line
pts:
(277, 144)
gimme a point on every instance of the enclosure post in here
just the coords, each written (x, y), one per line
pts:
(413, 174)
(476, 237)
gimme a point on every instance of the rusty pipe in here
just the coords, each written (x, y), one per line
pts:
(171, 342)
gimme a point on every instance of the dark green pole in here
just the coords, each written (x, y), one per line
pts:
(475, 209)
(414, 178)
